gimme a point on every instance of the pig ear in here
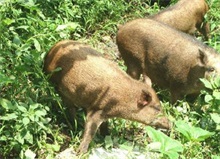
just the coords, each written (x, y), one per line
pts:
(145, 98)
(203, 57)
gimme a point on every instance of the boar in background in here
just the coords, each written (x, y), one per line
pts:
(167, 57)
(186, 16)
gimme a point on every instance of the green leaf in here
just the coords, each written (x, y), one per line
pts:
(25, 121)
(27, 3)
(16, 40)
(215, 157)
(206, 83)
(8, 21)
(29, 154)
(156, 146)
(40, 113)
(19, 138)
(156, 135)
(22, 108)
(6, 104)
(61, 27)
(29, 137)
(9, 117)
(37, 45)
(208, 98)
(32, 117)
(4, 80)
(57, 69)
(34, 106)
(56, 147)
(71, 26)
(215, 117)
(3, 138)
(176, 146)
(169, 146)
(199, 134)
(183, 128)
(172, 154)
(217, 82)
(108, 142)
(41, 126)
(126, 147)
(25, 27)
(191, 132)
(216, 95)
(218, 127)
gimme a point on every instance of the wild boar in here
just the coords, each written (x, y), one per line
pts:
(167, 57)
(92, 82)
(186, 16)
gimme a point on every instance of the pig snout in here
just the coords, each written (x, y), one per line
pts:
(162, 122)
(156, 114)
(213, 68)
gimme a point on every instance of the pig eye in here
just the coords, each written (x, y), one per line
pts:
(210, 69)
(157, 108)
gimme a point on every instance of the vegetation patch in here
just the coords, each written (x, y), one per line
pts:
(34, 122)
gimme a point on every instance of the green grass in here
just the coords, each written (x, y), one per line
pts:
(33, 119)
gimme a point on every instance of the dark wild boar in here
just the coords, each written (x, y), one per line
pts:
(167, 57)
(186, 16)
(90, 81)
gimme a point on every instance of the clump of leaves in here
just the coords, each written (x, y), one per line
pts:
(193, 139)
(27, 33)
(21, 126)
(191, 133)
(164, 144)
(209, 102)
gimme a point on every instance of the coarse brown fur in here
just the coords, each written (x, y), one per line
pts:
(90, 81)
(170, 58)
(186, 16)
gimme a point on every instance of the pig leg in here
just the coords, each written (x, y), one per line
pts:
(204, 29)
(175, 94)
(133, 70)
(104, 129)
(93, 121)
(147, 80)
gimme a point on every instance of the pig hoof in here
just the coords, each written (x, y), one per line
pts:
(81, 150)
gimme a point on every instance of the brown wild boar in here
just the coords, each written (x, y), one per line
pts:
(167, 57)
(90, 81)
(186, 16)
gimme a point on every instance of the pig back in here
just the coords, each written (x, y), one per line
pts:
(85, 78)
(167, 54)
(185, 15)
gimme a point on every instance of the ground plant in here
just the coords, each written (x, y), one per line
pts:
(34, 122)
